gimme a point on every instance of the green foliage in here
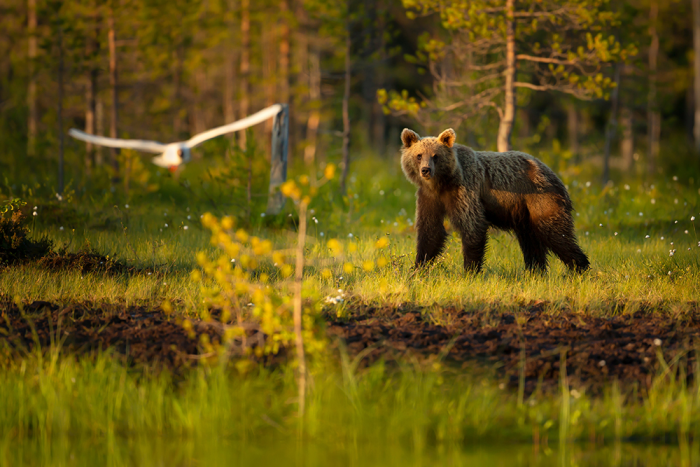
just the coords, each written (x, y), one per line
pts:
(560, 46)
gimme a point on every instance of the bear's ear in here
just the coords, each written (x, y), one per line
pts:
(409, 137)
(447, 137)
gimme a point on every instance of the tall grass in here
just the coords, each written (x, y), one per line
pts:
(45, 396)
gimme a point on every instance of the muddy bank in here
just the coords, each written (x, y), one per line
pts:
(140, 335)
(531, 344)
(527, 345)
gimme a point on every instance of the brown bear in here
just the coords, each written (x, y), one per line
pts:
(478, 189)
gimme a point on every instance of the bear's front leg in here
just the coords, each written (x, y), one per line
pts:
(467, 217)
(474, 250)
(430, 230)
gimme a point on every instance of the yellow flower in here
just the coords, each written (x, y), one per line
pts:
(335, 246)
(227, 223)
(368, 265)
(286, 270)
(381, 262)
(382, 243)
(196, 276)
(329, 172)
(348, 268)
(290, 189)
(352, 247)
(304, 179)
(326, 273)
(242, 235)
(208, 220)
(278, 258)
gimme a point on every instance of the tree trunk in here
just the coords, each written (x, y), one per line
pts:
(230, 71)
(91, 96)
(100, 129)
(114, 153)
(315, 104)
(572, 124)
(612, 126)
(200, 122)
(696, 70)
(283, 72)
(627, 142)
(31, 91)
(178, 101)
(653, 115)
(269, 75)
(60, 111)
(299, 74)
(245, 65)
(505, 129)
(346, 113)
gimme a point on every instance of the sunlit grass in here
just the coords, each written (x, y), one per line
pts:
(652, 259)
(47, 396)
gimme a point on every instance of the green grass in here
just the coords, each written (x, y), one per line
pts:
(50, 396)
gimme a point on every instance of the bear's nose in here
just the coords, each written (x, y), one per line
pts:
(425, 171)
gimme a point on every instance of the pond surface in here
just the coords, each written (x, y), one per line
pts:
(188, 452)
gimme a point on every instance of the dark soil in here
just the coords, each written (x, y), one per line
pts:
(531, 344)
(528, 344)
(142, 336)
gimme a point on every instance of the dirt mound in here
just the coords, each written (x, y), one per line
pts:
(141, 335)
(530, 344)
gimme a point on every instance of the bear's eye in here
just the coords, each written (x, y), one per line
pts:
(435, 156)
(420, 156)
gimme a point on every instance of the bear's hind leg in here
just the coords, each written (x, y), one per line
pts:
(561, 239)
(534, 250)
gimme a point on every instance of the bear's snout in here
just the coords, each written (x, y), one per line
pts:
(425, 172)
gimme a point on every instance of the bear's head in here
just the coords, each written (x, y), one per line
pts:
(428, 161)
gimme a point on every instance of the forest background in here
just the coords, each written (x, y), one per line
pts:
(606, 87)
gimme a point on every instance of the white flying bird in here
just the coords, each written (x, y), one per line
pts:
(174, 154)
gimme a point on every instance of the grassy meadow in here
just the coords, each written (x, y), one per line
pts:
(645, 255)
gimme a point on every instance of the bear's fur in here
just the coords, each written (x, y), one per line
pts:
(478, 189)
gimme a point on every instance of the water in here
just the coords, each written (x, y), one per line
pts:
(156, 451)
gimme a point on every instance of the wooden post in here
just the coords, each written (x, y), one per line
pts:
(278, 161)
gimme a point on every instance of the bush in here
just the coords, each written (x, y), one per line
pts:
(15, 245)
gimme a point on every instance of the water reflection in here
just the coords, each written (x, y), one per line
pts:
(156, 451)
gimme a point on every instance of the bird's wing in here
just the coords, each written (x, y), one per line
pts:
(235, 126)
(138, 144)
